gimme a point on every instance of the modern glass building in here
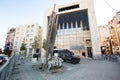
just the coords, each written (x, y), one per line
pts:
(77, 29)
(73, 29)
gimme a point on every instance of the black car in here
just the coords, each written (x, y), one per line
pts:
(67, 56)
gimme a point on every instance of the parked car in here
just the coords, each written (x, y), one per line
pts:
(67, 55)
(3, 58)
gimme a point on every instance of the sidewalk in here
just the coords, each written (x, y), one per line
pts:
(85, 70)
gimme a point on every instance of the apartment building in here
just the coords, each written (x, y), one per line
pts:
(9, 41)
(27, 35)
(114, 29)
(104, 34)
(77, 29)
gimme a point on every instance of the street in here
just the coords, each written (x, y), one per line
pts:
(87, 69)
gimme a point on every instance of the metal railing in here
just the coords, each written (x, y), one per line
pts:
(7, 68)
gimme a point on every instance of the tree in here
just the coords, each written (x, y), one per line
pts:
(35, 44)
(23, 47)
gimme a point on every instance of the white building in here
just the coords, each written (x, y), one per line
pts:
(104, 34)
(26, 34)
(77, 28)
(10, 35)
(10, 39)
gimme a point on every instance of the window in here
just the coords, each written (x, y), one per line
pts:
(28, 26)
(32, 30)
(38, 35)
(61, 27)
(65, 26)
(27, 35)
(26, 40)
(88, 41)
(69, 25)
(14, 34)
(16, 43)
(78, 24)
(74, 26)
(17, 32)
(17, 28)
(15, 47)
(27, 31)
(58, 27)
(112, 30)
(33, 25)
(31, 35)
(39, 27)
(31, 39)
(31, 44)
(77, 18)
(69, 8)
(16, 37)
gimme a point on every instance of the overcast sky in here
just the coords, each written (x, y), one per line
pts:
(22, 12)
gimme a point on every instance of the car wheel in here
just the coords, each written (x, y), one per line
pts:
(64, 60)
(74, 61)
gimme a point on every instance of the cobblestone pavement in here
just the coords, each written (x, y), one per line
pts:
(85, 70)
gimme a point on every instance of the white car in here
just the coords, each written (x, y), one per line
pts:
(5, 56)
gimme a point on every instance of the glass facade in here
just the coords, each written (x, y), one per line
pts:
(73, 19)
(73, 30)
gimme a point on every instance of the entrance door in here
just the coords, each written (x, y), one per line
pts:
(89, 50)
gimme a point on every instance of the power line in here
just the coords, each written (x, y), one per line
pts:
(110, 6)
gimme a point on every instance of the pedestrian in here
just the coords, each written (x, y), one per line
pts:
(103, 54)
(37, 52)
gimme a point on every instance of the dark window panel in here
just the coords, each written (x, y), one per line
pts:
(65, 26)
(69, 8)
(74, 26)
(77, 16)
(61, 26)
(69, 25)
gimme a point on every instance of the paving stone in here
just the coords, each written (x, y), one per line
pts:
(85, 70)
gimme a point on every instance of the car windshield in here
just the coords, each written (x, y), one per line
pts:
(68, 52)
(63, 51)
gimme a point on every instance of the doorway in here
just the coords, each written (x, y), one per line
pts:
(89, 51)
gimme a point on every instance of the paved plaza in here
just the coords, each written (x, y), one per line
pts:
(87, 69)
